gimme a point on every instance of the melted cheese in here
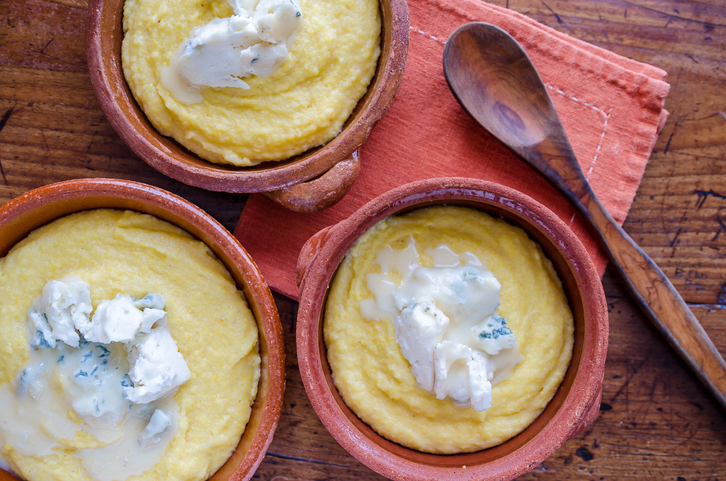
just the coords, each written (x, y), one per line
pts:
(73, 397)
(79, 370)
(446, 321)
(254, 41)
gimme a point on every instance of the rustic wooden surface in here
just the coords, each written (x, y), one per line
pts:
(656, 420)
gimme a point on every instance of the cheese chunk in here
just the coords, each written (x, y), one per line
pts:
(159, 422)
(466, 293)
(157, 368)
(462, 375)
(418, 329)
(226, 50)
(59, 312)
(493, 335)
(120, 319)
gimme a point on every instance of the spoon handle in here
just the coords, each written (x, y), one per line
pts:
(660, 301)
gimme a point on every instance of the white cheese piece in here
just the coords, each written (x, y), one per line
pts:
(254, 41)
(157, 368)
(465, 293)
(263, 59)
(493, 335)
(158, 424)
(212, 56)
(243, 8)
(61, 310)
(277, 20)
(418, 329)
(461, 374)
(446, 321)
(150, 301)
(120, 320)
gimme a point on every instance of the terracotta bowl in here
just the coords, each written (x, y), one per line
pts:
(575, 404)
(334, 166)
(40, 206)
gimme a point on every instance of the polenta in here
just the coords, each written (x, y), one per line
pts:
(123, 252)
(302, 105)
(376, 381)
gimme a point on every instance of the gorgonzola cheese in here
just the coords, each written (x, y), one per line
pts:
(116, 372)
(446, 322)
(253, 41)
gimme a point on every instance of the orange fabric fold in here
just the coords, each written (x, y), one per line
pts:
(611, 107)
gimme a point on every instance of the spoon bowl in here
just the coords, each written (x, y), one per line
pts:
(494, 80)
(526, 126)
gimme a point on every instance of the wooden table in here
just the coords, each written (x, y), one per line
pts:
(656, 421)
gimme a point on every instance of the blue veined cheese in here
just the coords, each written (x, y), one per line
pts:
(418, 329)
(121, 319)
(36, 418)
(160, 421)
(59, 313)
(495, 335)
(254, 41)
(467, 293)
(115, 372)
(95, 387)
(446, 322)
(157, 368)
(88, 378)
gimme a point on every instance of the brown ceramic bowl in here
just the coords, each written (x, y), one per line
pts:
(38, 207)
(575, 404)
(284, 181)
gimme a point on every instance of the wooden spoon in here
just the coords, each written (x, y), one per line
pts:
(494, 80)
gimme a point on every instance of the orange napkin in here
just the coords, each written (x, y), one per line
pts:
(611, 107)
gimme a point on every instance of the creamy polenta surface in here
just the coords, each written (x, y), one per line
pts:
(374, 378)
(119, 252)
(302, 105)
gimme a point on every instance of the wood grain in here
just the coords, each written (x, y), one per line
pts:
(656, 421)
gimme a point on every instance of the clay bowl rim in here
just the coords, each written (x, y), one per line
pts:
(571, 409)
(103, 46)
(38, 207)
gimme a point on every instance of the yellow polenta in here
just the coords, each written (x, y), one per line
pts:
(136, 254)
(375, 379)
(302, 105)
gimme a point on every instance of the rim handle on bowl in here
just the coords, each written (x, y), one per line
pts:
(590, 416)
(308, 253)
(320, 193)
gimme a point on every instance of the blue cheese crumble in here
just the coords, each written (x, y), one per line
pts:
(121, 319)
(253, 41)
(159, 423)
(116, 370)
(60, 313)
(157, 368)
(446, 322)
